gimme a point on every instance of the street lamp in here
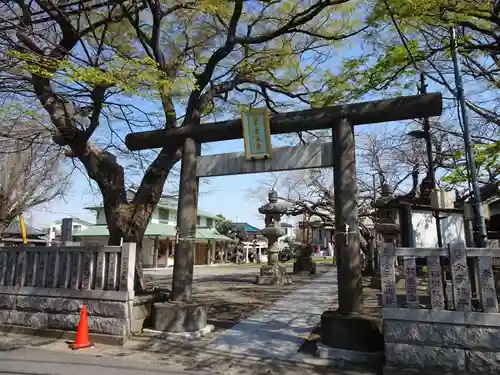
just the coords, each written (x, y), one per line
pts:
(471, 163)
(430, 179)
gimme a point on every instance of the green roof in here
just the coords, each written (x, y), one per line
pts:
(167, 203)
(160, 230)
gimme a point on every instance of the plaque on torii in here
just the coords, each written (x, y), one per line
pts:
(339, 153)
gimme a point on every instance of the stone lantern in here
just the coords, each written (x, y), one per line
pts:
(273, 272)
(387, 224)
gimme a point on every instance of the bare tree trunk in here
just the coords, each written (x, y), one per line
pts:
(5, 222)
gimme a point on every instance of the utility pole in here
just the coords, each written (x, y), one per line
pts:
(471, 163)
(430, 158)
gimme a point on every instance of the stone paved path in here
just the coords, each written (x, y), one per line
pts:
(279, 330)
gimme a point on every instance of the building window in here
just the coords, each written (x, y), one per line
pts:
(210, 222)
(76, 228)
(164, 214)
(198, 220)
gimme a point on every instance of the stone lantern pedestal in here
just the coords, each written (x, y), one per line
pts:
(273, 273)
(388, 227)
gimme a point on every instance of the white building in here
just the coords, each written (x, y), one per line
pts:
(160, 234)
(289, 233)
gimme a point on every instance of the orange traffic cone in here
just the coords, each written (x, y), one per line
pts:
(82, 333)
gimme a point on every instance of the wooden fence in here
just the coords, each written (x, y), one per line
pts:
(457, 254)
(69, 267)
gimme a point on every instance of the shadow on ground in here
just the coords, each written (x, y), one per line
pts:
(234, 297)
(7, 343)
(204, 361)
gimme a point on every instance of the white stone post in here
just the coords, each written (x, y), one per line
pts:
(100, 282)
(88, 268)
(487, 285)
(127, 267)
(410, 268)
(388, 275)
(212, 251)
(112, 280)
(460, 277)
(21, 267)
(435, 283)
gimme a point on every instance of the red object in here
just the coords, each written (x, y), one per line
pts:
(82, 333)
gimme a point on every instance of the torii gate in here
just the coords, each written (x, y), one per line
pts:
(340, 154)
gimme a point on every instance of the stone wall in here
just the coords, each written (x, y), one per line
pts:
(47, 308)
(44, 288)
(440, 341)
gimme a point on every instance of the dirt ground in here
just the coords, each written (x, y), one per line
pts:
(234, 297)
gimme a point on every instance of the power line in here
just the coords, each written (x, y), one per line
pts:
(400, 33)
(58, 213)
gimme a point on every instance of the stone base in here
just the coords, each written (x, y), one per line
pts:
(273, 275)
(356, 332)
(178, 335)
(390, 370)
(178, 317)
(142, 310)
(341, 357)
(304, 265)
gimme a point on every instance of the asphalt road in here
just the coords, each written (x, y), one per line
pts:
(34, 361)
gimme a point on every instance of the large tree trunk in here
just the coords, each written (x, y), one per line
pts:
(129, 220)
(126, 220)
(115, 238)
(123, 226)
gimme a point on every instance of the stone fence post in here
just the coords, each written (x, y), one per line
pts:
(127, 266)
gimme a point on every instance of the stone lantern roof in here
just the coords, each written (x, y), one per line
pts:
(273, 206)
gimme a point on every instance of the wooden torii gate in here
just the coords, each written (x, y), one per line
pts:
(340, 154)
